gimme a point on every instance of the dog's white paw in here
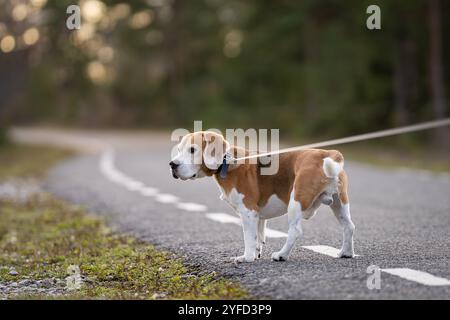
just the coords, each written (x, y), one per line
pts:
(346, 254)
(242, 259)
(278, 256)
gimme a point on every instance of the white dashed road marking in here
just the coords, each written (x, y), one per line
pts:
(166, 198)
(271, 233)
(227, 218)
(329, 251)
(149, 192)
(111, 173)
(418, 276)
(223, 218)
(326, 250)
(190, 206)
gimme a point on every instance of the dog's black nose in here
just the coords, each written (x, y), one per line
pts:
(173, 165)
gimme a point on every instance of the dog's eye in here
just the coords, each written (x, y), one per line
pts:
(191, 149)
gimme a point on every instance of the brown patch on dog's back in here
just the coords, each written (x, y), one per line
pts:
(280, 183)
(304, 169)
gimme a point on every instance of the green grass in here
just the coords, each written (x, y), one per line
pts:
(392, 157)
(18, 161)
(50, 235)
(392, 153)
(42, 237)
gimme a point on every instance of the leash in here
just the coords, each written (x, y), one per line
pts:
(360, 137)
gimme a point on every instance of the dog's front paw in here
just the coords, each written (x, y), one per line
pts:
(346, 254)
(278, 256)
(243, 258)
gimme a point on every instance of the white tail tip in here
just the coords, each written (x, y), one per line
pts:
(332, 168)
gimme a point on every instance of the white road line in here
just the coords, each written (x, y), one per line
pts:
(108, 169)
(190, 206)
(271, 233)
(418, 276)
(111, 173)
(134, 185)
(149, 192)
(166, 198)
(226, 218)
(223, 218)
(327, 250)
(421, 277)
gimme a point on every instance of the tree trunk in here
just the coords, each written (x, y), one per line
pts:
(174, 51)
(405, 80)
(13, 76)
(436, 71)
(400, 86)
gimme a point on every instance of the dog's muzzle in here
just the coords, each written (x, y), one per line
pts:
(173, 167)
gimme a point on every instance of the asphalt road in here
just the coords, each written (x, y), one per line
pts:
(402, 220)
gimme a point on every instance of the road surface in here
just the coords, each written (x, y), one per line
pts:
(402, 220)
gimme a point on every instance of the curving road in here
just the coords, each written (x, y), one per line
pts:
(402, 220)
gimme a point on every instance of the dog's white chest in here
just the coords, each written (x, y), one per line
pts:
(234, 199)
(273, 208)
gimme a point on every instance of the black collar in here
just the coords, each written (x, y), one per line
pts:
(222, 170)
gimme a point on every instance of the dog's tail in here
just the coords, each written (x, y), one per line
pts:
(332, 167)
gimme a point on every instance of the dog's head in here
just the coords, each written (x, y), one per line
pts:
(199, 154)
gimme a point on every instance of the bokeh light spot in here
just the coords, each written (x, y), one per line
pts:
(7, 44)
(31, 36)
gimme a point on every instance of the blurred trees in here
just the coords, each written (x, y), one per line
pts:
(437, 87)
(308, 67)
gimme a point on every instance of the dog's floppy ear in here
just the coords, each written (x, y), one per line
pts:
(215, 148)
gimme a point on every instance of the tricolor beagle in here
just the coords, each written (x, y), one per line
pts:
(305, 180)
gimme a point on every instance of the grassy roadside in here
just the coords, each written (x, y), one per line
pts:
(18, 161)
(392, 153)
(44, 238)
(394, 157)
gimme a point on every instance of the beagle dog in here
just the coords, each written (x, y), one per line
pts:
(305, 180)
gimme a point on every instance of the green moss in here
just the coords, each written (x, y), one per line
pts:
(44, 236)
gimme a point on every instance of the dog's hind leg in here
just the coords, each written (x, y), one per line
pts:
(342, 212)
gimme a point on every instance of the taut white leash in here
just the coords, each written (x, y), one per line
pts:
(360, 137)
